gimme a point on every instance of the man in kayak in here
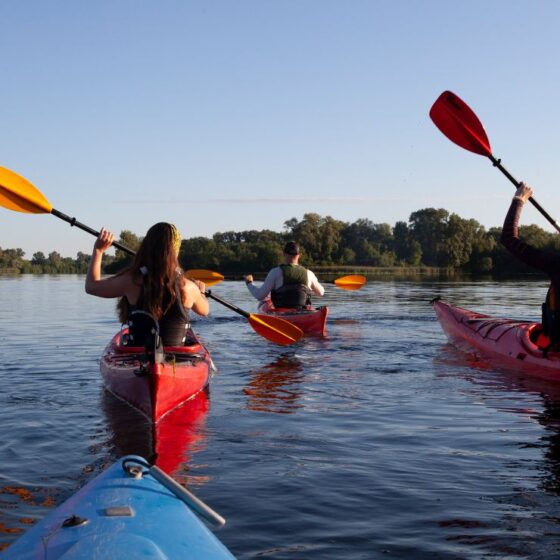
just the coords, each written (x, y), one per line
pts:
(289, 284)
(547, 262)
(153, 285)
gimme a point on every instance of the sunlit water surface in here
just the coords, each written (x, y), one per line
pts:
(380, 441)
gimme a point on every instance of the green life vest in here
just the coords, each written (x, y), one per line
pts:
(294, 291)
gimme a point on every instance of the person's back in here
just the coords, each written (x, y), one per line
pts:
(153, 284)
(289, 284)
(294, 291)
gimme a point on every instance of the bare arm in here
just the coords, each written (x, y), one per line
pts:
(114, 286)
(193, 296)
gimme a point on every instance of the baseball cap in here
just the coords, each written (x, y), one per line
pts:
(291, 248)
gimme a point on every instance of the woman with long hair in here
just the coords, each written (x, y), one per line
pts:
(153, 284)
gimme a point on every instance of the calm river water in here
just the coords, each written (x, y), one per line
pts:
(380, 441)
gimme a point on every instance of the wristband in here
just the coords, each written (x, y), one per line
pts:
(516, 197)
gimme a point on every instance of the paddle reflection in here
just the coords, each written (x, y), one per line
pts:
(275, 387)
(169, 444)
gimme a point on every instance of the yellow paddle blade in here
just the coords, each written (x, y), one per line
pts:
(209, 277)
(17, 193)
(275, 329)
(351, 282)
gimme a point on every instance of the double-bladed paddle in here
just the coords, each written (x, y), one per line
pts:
(459, 123)
(18, 194)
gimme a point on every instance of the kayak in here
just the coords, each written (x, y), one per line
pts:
(510, 342)
(155, 387)
(128, 511)
(311, 320)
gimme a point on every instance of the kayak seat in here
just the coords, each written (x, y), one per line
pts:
(143, 331)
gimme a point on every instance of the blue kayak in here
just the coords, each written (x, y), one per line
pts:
(130, 511)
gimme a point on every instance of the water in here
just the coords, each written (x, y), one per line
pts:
(380, 441)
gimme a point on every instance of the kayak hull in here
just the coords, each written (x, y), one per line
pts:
(121, 517)
(156, 389)
(509, 342)
(311, 320)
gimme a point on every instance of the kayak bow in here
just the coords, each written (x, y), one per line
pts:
(128, 511)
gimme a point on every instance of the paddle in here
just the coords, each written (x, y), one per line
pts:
(458, 122)
(351, 282)
(209, 277)
(17, 193)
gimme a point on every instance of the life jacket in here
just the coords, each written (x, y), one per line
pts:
(294, 291)
(551, 319)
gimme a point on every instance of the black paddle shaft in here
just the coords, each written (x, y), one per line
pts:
(498, 163)
(74, 222)
(210, 295)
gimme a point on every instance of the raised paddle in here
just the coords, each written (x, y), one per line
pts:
(351, 282)
(459, 123)
(17, 193)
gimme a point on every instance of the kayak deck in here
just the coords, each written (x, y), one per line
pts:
(118, 515)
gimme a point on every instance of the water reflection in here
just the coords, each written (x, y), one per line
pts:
(275, 387)
(542, 403)
(169, 444)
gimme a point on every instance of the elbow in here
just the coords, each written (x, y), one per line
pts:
(90, 288)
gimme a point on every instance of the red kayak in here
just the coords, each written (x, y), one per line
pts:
(156, 387)
(512, 343)
(311, 320)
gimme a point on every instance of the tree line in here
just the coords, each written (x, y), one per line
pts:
(431, 237)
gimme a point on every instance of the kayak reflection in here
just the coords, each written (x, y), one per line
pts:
(275, 387)
(169, 444)
(545, 394)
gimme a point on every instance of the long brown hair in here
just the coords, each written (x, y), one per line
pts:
(157, 268)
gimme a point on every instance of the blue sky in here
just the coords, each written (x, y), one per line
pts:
(234, 115)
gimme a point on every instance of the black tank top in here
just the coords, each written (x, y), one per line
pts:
(172, 324)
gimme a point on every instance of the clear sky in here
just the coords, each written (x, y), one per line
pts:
(223, 115)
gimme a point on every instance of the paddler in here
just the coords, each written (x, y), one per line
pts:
(547, 262)
(152, 285)
(289, 284)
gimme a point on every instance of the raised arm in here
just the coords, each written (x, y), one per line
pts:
(114, 286)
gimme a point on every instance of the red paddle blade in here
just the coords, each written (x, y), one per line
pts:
(458, 122)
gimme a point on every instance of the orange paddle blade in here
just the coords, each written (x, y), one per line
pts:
(17, 193)
(275, 329)
(351, 282)
(209, 277)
